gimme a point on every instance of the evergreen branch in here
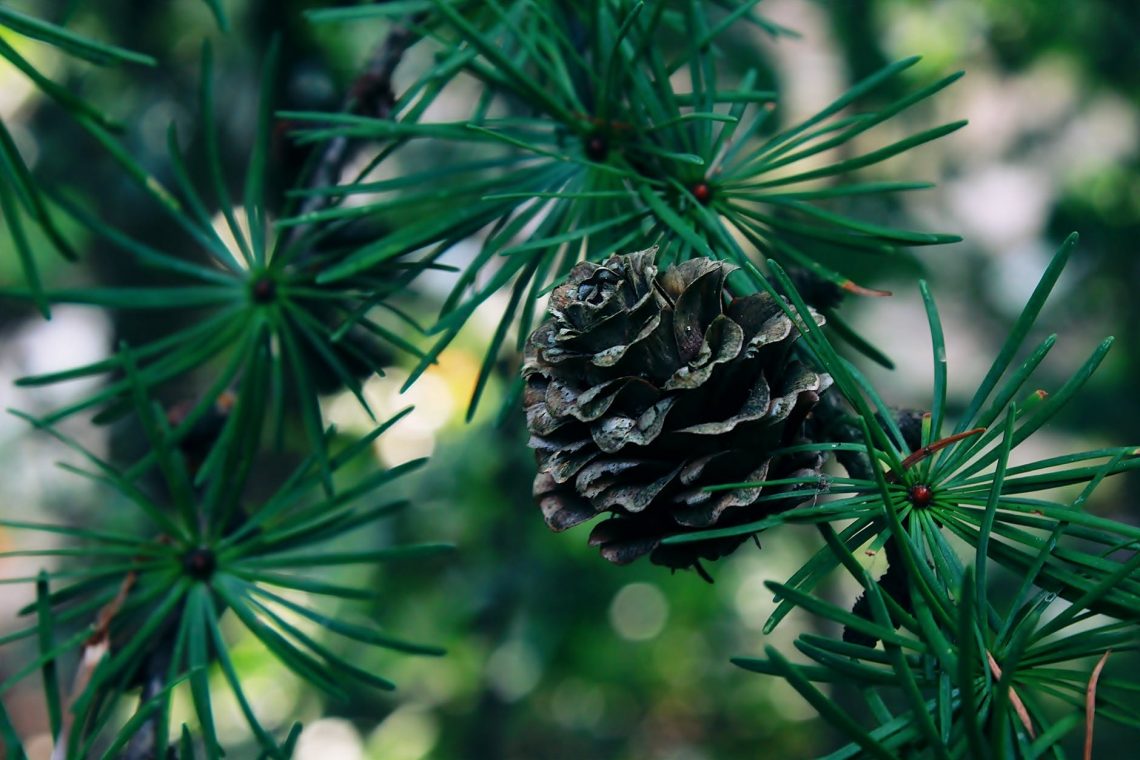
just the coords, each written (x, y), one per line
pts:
(371, 95)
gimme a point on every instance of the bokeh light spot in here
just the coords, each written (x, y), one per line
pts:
(513, 670)
(330, 739)
(578, 704)
(407, 734)
(639, 611)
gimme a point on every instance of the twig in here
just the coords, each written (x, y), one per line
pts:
(96, 647)
(917, 456)
(370, 95)
(143, 744)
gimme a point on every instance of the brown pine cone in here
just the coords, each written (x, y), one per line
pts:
(643, 388)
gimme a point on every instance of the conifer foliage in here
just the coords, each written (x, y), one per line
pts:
(670, 253)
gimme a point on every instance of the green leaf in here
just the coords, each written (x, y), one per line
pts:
(76, 106)
(81, 47)
(938, 343)
(992, 503)
(11, 739)
(300, 583)
(255, 170)
(821, 563)
(304, 665)
(351, 558)
(962, 450)
(112, 477)
(230, 673)
(970, 660)
(848, 334)
(1020, 329)
(214, 160)
(503, 65)
(144, 713)
(195, 629)
(335, 661)
(46, 625)
(1041, 414)
(829, 710)
(194, 296)
(904, 673)
(848, 667)
(219, 14)
(11, 214)
(839, 615)
(309, 405)
(363, 634)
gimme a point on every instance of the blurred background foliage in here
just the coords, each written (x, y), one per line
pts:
(555, 653)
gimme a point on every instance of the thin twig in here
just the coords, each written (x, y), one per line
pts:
(370, 95)
(917, 456)
(143, 745)
(96, 647)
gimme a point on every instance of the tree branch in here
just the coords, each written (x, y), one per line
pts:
(370, 95)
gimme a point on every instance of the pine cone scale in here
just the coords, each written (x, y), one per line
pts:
(565, 462)
(612, 434)
(560, 508)
(627, 393)
(721, 344)
(755, 407)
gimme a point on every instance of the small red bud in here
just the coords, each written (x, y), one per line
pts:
(199, 563)
(597, 147)
(920, 495)
(702, 192)
(264, 290)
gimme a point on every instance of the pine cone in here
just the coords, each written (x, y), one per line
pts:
(643, 388)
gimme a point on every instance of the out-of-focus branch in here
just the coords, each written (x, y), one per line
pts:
(96, 647)
(155, 672)
(370, 95)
